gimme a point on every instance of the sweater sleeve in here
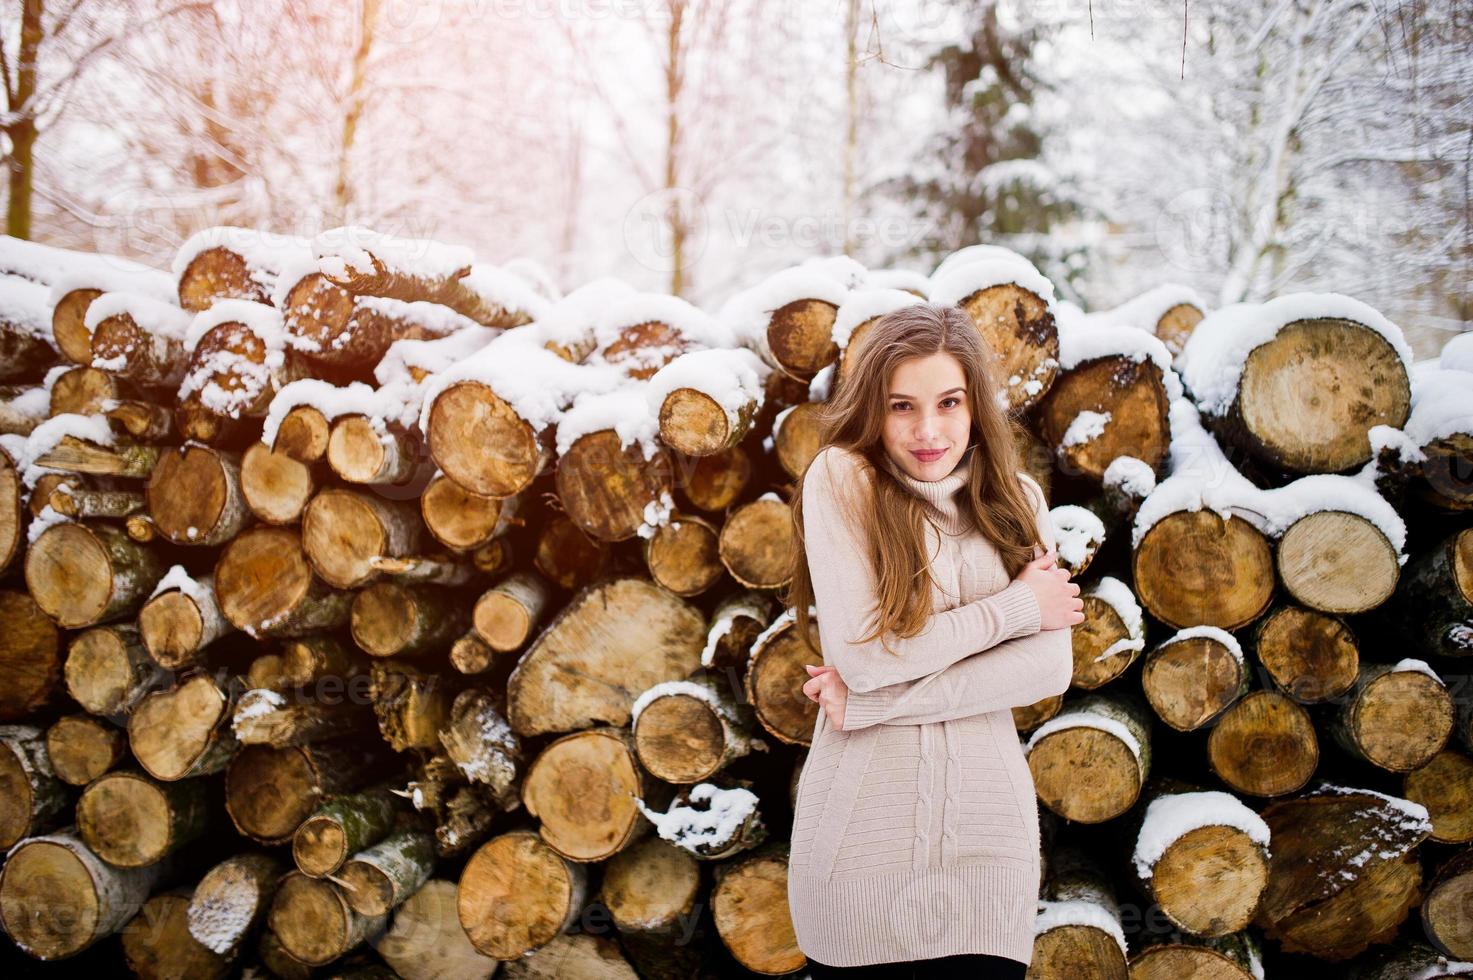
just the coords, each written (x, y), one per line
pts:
(844, 591)
(1019, 672)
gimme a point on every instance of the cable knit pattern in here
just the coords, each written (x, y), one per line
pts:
(915, 833)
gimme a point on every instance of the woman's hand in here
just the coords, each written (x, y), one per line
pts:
(825, 686)
(1059, 604)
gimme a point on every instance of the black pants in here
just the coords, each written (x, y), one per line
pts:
(972, 966)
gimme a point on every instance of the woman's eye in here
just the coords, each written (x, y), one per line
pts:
(954, 401)
(900, 406)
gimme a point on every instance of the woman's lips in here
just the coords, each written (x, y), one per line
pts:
(928, 456)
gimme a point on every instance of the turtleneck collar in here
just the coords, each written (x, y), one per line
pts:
(943, 495)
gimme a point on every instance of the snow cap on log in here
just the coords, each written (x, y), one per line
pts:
(265, 253)
(351, 251)
(26, 306)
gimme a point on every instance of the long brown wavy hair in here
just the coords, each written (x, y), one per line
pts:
(853, 419)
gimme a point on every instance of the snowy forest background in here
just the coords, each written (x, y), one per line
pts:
(1245, 148)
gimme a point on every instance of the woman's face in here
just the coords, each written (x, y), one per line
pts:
(926, 409)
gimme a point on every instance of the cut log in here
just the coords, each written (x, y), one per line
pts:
(609, 643)
(1126, 401)
(774, 672)
(140, 528)
(688, 731)
(749, 905)
(380, 878)
(265, 587)
(713, 823)
(275, 485)
(266, 717)
(235, 369)
(468, 416)
(40, 497)
(185, 731)
(1337, 562)
(610, 490)
(459, 519)
(313, 661)
(470, 654)
(80, 503)
(30, 661)
(83, 747)
(715, 483)
(81, 574)
(757, 543)
(1193, 568)
(342, 530)
(1178, 954)
(303, 434)
(582, 788)
(1344, 871)
(507, 613)
(78, 456)
(69, 324)
(150, 352)
(1434, 600)
(108, 671)
(270, 791)
(1194, 677)
(31, 796)
(86, 391)
(157, 944)
(335, 328)
(1078, 931)
(1111, 636)
(738, 620)
(194, 496)
(426, 941)
(1090, 762)
(1017, 323)
(567, 557)
(1444, 786)
(1309, 655)
(700, 421)
(479, 741)
(1397, 717)
(228, 262)
(650, 889)
(178, 623)
(411, 705)
(231, 900)
(341, 828)
(315, 923)
(141, 421)
(682, 554)
(131, 821)
(394, 620)
(58, 872)
(365, 450)
(1445, 917)
(517, 894)
(1264, 745)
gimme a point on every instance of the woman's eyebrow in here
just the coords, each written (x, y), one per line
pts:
(896, 394)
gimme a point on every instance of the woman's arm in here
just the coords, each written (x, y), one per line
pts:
(835, 492)
(1017, 673)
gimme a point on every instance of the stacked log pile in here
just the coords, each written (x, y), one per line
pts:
(370, 609)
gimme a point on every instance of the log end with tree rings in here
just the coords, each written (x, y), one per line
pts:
(269, 791)
(1264, 745)
(800, 336)
(131, 821)
(1188, 958)
(1309, 655)
(1445, 787)
(1102, 631)
(303, 434)
(1130, 394)
(378, 879)
(680, 738)
(1193, 568)
(517, 894)
(218, 273)
(275, 485)
(1085, 774)
(1189, 682)
(194, 496)
(799, 438)
(1030, 716)
(69, 325)
(1337, 562)
(344, 530)
(174, 629)
(716, 482)
(757, 543)
(467, 418)
(607, 488)
(83, 747)
(314, 922)
(183, 731)
(263, 578)
(1176, 326)
(459, 519)
(1307, 398)
(582, 789)
(81, 574)
(391, 619)
(85, 391)
(57, 897)
(128, 350)
(505, 614)
(1445, 919)
(1018, 325)
(774, 684)
(650, 886)
(157, 942)
(359, 453)
(749, 906)
(31, 797)
(316, 313)
(1396, 719)
(30, 656)
(108, 670)
(696, 424)
(682, 555)
(1209, 880)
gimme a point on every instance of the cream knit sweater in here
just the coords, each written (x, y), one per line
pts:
(915, 833)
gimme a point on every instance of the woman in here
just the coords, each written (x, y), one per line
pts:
(915, 846)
